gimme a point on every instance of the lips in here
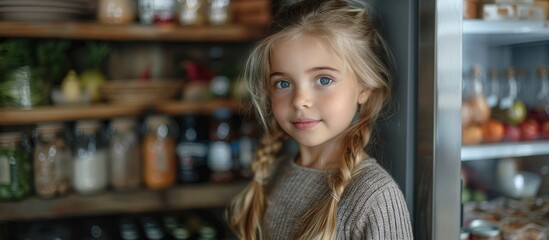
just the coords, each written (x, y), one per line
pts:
(305, 124)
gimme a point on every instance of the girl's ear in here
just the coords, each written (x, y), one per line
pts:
(363, 95)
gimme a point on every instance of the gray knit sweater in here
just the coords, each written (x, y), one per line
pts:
(371, 207)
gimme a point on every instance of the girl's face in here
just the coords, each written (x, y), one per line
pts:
(314, 95)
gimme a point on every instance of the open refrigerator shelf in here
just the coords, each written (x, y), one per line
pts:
(502, 150)
(508, 32)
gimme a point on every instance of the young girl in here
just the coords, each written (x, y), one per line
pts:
(320, 79)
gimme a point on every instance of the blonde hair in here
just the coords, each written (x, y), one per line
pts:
(350, 33)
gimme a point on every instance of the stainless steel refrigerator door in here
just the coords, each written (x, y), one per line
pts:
(422, 140)
(438, 164)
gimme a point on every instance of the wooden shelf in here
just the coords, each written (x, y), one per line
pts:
(176, 198)
(107, 111)
(133, 32)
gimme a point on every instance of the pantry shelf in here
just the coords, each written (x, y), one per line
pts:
(106, 111)
(130, 32)
(501, 150)
(176, 198)
(505, 32)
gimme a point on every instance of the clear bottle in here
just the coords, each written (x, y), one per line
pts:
(159, 162)
(220, 161)
(90, 158)
(540, 110)
(476, 100)
(493, 89)
(15, 167)
(52, 161)
(511, 110)
(192, 152)
(125, 154)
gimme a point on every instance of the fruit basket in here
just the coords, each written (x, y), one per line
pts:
(139, 92)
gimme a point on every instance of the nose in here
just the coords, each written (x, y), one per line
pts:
(302, 98)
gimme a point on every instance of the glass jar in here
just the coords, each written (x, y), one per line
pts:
(15, 167)
(52, 161)
(159, 164)
(220, 159)
(218, 12)
(164, 12)
(90, 158)
(124, 155)
(116, 11)
(191, 12)
(192, 152)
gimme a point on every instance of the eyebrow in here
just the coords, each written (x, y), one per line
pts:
(308, 71)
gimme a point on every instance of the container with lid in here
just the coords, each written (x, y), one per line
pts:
(220, 159)
(484, 230)
(15, 167)
(52, 160)
(124, 154)
(159, 164)
(90, 158)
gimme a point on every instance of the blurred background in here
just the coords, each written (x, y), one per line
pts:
(126, 119)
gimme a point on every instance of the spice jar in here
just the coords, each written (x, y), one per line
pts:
(124, 155)
(52, 161)
(220, 159)
(159, 165)
(90, 158)
(116, 11)
(15, 167)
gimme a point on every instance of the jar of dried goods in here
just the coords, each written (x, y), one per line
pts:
(90, 158)
(52, 160)
(124, 154)
(159, 164)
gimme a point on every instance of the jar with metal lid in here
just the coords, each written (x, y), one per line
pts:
(52, 160)
(124, 154)
(159, 161)
(484, 230)
(90, 158)
(15, 167)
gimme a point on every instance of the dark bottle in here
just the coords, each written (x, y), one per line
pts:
(220, 159)
(192, 152)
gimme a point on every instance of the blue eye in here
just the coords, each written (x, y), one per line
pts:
(325, 81)
(282, 84)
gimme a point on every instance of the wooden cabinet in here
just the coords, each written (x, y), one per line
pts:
(178, 197)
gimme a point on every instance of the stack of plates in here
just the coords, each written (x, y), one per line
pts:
(137, 92)
(46, 10)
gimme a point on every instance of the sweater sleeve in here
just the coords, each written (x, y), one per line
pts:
(386, 217)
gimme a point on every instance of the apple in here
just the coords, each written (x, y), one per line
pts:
(544, 132)
(471, 135)
(529, 129)
(511, 133)
(493, 131)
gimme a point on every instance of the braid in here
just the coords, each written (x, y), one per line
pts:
(246, 210)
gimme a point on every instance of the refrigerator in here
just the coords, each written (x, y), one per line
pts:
(421, 140)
